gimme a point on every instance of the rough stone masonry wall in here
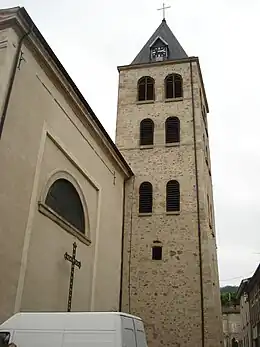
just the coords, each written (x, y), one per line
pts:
(166, 293)
(211, 290)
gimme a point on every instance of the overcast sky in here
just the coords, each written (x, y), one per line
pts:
(91, 38)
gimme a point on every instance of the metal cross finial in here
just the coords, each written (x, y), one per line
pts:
(72, 259)
(163, 9)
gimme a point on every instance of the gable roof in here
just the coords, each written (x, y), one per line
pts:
(17, 13)
(162, 32)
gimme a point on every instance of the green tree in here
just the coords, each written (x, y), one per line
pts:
(229, 299)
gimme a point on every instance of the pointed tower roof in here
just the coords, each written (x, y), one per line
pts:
(164, 33)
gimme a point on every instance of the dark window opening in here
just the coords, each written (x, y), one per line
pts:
(173, 196)
(200, 99)
(146, 197)
(210, 217)
(172, 130)
(145, 89)
(146, 132)
(204, 116)
(157, 252)
(173, 86)
(63, 199)
(4, 339)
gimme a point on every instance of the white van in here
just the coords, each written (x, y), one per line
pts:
(74, 329)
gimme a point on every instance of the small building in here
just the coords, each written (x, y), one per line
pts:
(253, 291)
(245, 331)
(231, 325)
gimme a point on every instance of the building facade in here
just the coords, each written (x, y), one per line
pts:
(170, 262)
(231, 325)
(50, 194)
(245, 339)
(143, 225)
(249, 295)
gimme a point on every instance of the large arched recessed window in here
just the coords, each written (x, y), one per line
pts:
(146, 197)
(173, 86)
(146, 88)
(173, 196)
(64, 199)
(172, 130)
(146, 132)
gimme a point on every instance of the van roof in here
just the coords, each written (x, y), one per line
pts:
(64, 321)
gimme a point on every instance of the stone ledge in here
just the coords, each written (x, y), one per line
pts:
(48, 212)
(144, 214)
(173, 99)
(173, 213)
(145, 102)
(146, 146)
(172, 144)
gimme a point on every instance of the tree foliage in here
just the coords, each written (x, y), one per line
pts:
(228, 299)
(229, 289)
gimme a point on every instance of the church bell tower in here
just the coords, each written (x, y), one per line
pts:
(170, 274)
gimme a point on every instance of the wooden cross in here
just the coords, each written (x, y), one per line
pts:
(72, 259)
(163, 9)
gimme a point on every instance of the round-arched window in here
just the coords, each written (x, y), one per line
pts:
(64, 199)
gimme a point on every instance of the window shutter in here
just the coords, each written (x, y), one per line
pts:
(146, 197)
(146, 132)
(146, 88)
(150, 89)
(141, 91)
(169, 87)
(173, 196)
(178, 86)
(172, 130)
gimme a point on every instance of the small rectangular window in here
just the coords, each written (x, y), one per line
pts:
(157, 253)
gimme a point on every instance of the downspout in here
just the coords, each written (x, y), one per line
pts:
(250, 320)
(11, 81)
(130, 247)
(122, 250)
(198, 213)
(130, 250)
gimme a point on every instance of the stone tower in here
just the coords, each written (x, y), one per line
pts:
(170, 275)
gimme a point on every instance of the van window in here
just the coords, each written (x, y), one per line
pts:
(141, 339)
(4, 339)
(128, 331)
(129, 338)
(140, 333)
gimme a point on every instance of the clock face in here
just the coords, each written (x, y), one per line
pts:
(159, 53)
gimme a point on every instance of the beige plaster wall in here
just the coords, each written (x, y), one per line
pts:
(45, 132)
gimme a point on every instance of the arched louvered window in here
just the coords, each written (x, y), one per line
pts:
(146, 132)
(145, 197)
(173, 196)
(172, 130)
(173, 86)
(146, 88)
(64, 199)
